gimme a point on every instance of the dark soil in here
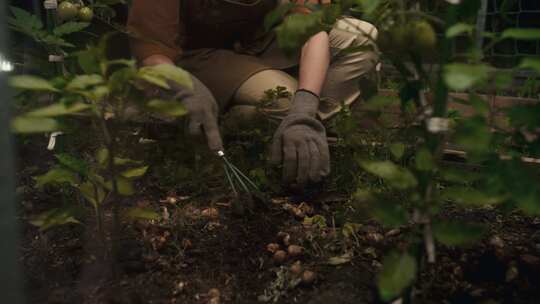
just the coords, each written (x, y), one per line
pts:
(180, 258)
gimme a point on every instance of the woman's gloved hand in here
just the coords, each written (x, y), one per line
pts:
(202, 110)
(300, 142)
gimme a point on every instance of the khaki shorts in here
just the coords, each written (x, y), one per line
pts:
(351, 76)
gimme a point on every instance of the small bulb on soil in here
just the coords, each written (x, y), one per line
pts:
(298, 213)
(309, 277)
(280, 257)
(210, 213)
(284, 237)
(496, 241)
(172, 200)
(296, 268)
(186, 243)
(214, 301)
(307, 209)
(295, 250)
(272, 247)
(512, 273)
(180, 287)
(214, 293)
(375, 237)
(287, 207)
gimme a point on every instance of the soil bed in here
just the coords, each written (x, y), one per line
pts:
(182, 257)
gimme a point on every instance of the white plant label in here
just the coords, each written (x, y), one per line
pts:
(50, 4)
(438, 124)
(56, 58)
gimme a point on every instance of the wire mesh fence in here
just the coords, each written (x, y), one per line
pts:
(493, 16)
(503, 14)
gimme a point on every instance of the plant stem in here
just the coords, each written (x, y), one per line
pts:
(108, 131)
(99, 216)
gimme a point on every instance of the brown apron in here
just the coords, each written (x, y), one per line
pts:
(224, 43)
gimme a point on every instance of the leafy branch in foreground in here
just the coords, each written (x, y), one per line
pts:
(407, 38)
(107, 95)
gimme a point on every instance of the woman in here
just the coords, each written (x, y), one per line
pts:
(232, 60)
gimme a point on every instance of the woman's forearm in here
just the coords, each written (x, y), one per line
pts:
(314, 62)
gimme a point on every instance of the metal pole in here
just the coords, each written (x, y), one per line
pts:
(10, 275)
(481, 23)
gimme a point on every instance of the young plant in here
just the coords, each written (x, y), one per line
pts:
(107, 95)
(428, 72)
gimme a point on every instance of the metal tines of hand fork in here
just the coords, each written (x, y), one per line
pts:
(236, 177)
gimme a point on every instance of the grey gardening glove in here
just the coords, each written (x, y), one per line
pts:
(300, 142)
(202, 110)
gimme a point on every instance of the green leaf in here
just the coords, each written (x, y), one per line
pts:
(398, 272)
(23, 124)
(162, 73)
(525, 116)
(73, 163)
(424, 160)
(529, 201)
(530, 63)
(59, 109)
(473, 134)
(89, 61)
(369, 6)
(460, 76)
(469, 197)
(93, 193)
(97, 93)
(142, 214)
(24, 22)
(168, 108)
(457, 233)
(125, 186)
(125, 161)
(120, 79)
(350, 229)
(396, 176)
(521, 34)
(296, 29)
(379, 102)
(479, 104)
(277, 15)
(55, 41)
(56, 176)
(102, 157)
(389, 214)
(397, 150)
(458, 29)
(33, 83)
(54, 218)
(136, 172)
(316, 220)
(82, 82)
(456, 175)
(153, 79)
(69, 28)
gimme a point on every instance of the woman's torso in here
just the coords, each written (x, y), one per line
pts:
(223, 23)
